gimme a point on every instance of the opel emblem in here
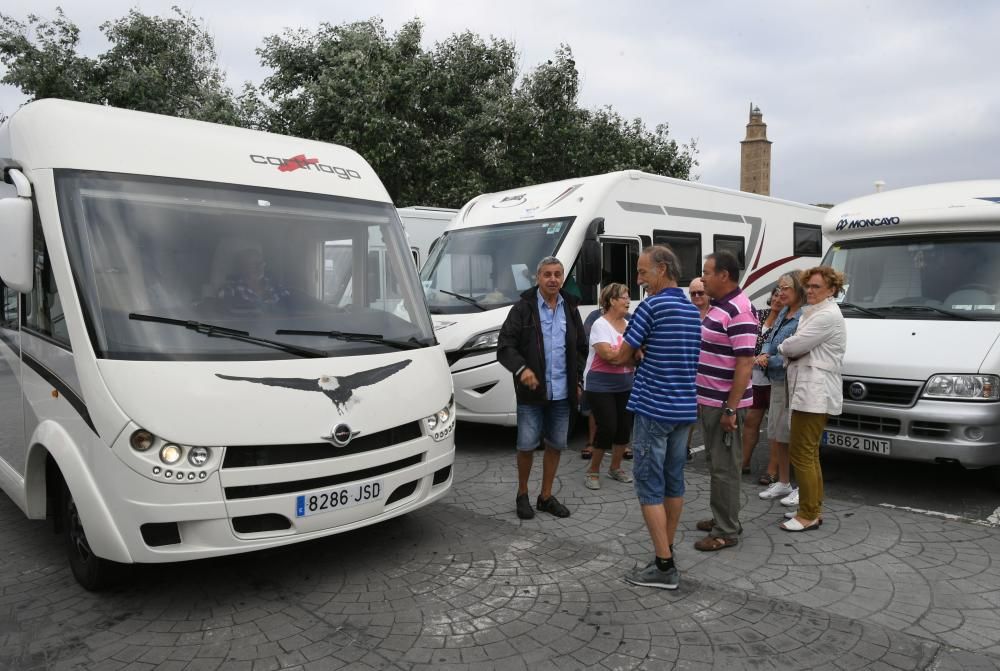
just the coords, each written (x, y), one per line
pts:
(341, 435)
(857, 391)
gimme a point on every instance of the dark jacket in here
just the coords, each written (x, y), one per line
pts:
(521, 344)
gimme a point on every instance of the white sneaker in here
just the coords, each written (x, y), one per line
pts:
(792, 499)
(776, 490)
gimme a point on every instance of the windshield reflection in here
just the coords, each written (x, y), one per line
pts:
(487, 267)
(955, 278)
(251, 260)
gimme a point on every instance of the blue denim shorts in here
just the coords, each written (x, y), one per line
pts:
(659, 451)
(549, 421)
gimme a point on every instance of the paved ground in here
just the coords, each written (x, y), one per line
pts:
(464, 584)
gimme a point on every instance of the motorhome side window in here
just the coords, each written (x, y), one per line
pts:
(808, 240)
(687, 247)
(44, 308)
(8, 304)
(734, 244)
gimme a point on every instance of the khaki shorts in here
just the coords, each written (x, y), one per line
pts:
(779, 422)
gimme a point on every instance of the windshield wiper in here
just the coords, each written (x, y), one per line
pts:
(861, 309)
(467, 299)
(213, 331)
(925, 308)
(411, 343)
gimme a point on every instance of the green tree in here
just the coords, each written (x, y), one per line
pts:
(154, 64)
(442, 125)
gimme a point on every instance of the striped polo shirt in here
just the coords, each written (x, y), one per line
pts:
(667, 324)
(728, 331)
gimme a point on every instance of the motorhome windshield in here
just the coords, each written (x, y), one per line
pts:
(926, 277)
(149, 252)
(487, 267)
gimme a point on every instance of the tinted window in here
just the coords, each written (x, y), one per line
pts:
(734, 244)
(8, 307)
(808, 240)
(687, 247)
(44, 307)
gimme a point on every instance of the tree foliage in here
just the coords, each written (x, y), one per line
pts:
(153, 64)
(441, 125)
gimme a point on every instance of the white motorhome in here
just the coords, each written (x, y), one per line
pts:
(596, 226)
(179, 377)
(423, 226)
(922, 305)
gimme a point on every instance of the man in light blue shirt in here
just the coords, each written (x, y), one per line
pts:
(542, 343)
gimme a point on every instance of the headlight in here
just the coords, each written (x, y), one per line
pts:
(170, 453)
(965, 387)
(483, 340)
(198, 456)
(442, 422)
(141, 440)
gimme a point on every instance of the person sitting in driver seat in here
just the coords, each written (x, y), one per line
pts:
(250, 286)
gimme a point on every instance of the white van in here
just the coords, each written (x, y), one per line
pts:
(423, 226)
(596, 226)
(179, 376)
(922, 304)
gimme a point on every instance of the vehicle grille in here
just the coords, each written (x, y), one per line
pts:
(274, 488)
(884, 392)
(929, 429)
(886, 426)
(269, 455)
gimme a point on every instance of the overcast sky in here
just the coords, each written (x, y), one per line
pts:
(904, 91)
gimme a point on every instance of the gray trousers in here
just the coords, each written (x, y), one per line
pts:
(724, 462)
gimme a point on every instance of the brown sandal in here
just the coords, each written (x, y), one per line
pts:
(705, 525)
(713, 543)
(767, 479)
(587, 452)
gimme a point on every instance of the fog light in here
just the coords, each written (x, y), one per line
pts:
(141, 440)
(170, 453)
(974, 432)
(198, 456)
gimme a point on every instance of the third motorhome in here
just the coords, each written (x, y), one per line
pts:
(596, 226)
(423, 226)
(922, 304)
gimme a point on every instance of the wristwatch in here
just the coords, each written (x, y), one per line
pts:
(728, 412)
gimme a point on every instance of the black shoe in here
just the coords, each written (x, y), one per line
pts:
(524, 510)
(690, 456)
(552, 505)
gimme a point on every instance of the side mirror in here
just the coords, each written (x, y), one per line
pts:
(16, 222)
(588, 266)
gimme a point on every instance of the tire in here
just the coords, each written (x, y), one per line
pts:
(93, 573)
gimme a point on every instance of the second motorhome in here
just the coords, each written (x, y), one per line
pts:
(596, 226)
(922, 306)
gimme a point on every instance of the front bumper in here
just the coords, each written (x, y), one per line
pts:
(484, 390)
(928, 431)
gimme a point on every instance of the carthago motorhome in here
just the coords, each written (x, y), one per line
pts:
(596, 226)
(922, 306)
(180, 376)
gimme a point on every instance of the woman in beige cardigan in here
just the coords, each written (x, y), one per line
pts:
(814, 386)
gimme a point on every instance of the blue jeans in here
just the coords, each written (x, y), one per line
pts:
(549, 421)
(659, 451)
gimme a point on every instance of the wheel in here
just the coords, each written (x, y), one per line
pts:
(93, 573)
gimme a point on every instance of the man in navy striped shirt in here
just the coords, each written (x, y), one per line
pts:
(666, 328)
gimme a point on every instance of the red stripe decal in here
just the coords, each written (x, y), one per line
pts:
(766, 269)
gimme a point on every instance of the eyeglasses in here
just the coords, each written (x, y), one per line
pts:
(786, 287)
(697, 293)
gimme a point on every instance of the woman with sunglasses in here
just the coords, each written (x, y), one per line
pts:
(759, 380)
(815, 355)
(792, 296)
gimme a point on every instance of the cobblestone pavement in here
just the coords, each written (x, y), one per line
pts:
(464, 584)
